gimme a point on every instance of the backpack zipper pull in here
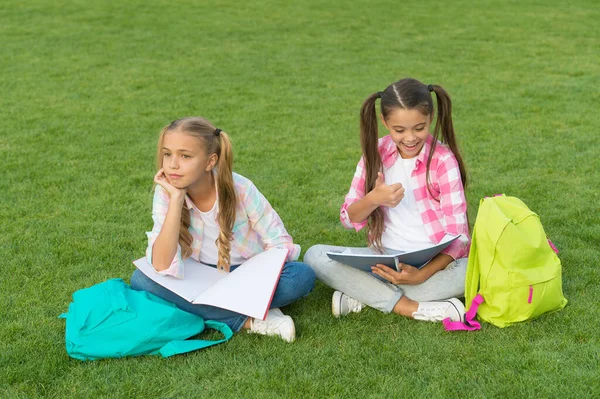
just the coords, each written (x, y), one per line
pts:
(530, 294)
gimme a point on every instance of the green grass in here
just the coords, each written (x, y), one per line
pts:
(86, 87)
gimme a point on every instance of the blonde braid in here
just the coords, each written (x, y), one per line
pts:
(227, 201)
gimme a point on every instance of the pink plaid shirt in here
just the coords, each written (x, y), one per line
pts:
(257, 226)
(444, 212)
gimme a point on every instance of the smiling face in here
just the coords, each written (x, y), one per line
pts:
(409, 129)
(184, 160)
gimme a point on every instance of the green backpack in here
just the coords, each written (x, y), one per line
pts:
(111, 320)
(512, 264)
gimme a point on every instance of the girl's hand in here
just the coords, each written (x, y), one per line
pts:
(174, 193)
(387, 195)
(407, 275)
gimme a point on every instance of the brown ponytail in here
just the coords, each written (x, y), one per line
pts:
(227, 200)
(369, 137)
(185, 237)
(446, 127)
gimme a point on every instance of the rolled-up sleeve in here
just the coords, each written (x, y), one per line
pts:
(160, 206)
(356, 192)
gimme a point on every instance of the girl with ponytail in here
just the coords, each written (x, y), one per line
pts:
(203, 210)
(408, 191)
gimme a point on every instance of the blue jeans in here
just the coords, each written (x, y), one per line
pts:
(296, 281)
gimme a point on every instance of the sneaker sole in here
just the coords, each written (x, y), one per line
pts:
(293, 332)
(460, 308)
(336, 304)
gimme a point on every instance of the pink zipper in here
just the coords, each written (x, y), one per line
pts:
(530, 294)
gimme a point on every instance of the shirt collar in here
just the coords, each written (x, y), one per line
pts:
(188, 202)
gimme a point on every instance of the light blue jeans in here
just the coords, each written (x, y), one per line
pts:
(296, 281)
(370, 290)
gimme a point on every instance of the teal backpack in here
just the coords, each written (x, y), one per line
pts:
(111, 320)
(513, 273)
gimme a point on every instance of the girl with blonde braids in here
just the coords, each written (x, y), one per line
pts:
(203, 210)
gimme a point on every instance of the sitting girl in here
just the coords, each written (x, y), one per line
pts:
(204, 210)
(408, 190)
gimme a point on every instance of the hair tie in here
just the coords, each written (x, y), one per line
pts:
(430, 87)
(380, 94)
(218, 132)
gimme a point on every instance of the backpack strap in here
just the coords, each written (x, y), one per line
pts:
(189, 345)
(552, 246)
(470, 324)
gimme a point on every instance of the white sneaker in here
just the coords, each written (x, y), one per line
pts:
(440, 310)
(342, 304)
(276, 323)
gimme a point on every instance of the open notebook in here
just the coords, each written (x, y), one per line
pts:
(417, 258)
(247, 290)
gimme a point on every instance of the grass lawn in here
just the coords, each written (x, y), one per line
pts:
(86, 87)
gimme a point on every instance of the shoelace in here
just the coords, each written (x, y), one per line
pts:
(353, 304)
(436, 310)
(266, 325)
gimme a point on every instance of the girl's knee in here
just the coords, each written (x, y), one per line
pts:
(141, 282)
(306, 275)
(137, 281)
(301, 276)
(316, 257)
(309, 278)
(312, 255)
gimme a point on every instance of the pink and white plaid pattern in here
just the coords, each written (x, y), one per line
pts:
(444, 212)
(257, 226)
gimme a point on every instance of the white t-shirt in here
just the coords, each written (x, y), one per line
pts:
(209, 253)
(403, 228)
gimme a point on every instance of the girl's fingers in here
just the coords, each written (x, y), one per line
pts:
(159, 177)
(395, 200)
(380, 273)
(384, 267)
(161, 181)
(391, 275)
(379, 181)
(383, 270)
